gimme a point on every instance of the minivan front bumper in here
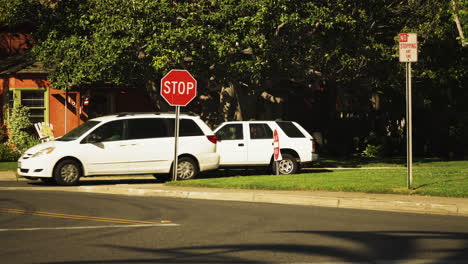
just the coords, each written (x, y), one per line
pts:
(39, 167)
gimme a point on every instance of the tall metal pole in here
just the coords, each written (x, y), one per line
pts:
(65, 113)
(409, 127)
(176, 143)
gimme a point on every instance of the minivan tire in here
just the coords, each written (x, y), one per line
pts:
(67, 172)
(288, 165)
(186, 169)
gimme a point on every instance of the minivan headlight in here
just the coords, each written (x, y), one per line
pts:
(43, 151)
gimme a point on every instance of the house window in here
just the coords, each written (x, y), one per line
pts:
(11, 101)
(34, 99)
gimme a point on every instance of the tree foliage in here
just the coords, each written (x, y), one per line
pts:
(343, 43)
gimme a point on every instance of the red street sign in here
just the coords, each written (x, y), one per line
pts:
(276, 147)
(178, 87)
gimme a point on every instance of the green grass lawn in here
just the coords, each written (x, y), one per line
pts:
(8, 165)
(437, 178)
(429, 178)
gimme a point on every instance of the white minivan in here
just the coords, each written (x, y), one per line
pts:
(127, 143)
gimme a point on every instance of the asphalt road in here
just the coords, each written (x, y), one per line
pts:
(67, 227)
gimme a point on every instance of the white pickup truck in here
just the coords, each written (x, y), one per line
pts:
(250, 143)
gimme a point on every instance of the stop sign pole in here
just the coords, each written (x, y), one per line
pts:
(178, 88)
(408, 47)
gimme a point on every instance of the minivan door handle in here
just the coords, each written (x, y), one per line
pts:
(240, 144)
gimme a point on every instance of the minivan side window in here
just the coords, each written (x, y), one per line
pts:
(260, 131)
(230, 132)
(290, 129)
(111, 131)
(187, 128)
(146, 128)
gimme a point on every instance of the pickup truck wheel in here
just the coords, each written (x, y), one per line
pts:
(186, 169)
(67, 173)
(288, 165)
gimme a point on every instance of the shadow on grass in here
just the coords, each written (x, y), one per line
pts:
(233, 172)
(437, 183)
(127, 179)
(359, 161)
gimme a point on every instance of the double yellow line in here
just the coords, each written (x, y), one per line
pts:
(81, 217)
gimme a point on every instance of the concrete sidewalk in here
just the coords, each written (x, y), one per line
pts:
(381, 202)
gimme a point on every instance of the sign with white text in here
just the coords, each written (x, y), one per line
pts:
(178, 87)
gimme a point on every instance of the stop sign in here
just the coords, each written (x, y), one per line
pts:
(178, 87)
(276, 147)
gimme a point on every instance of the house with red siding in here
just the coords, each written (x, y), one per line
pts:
(23, 81)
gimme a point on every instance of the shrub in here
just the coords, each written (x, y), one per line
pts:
(18, 123)
(374, 148)
(3, 133)
(373, 151)
(7, 154)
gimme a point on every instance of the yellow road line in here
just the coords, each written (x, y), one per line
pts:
(80, 217)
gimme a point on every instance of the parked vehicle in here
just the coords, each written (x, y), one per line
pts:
(250, 143)
(127, 143)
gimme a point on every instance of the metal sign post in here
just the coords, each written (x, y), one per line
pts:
(178, 88)
(409, 127)
(176, 145)
(408, 46)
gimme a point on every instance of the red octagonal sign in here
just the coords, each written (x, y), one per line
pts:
(178, 87)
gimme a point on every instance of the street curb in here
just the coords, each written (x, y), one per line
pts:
(374, 203)
(379, 202)
(309, 200)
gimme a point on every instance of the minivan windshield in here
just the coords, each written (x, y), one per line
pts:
(79, 131)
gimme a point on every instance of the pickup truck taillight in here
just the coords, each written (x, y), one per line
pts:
(213, 139)
(314, 145)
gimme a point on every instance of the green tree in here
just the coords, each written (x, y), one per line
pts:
(262, 51)
(22, 14)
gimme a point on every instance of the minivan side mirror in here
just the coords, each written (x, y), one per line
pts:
(93, 138)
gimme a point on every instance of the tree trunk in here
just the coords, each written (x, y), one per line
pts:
(229, 104)
(158, 103)
(457, 22)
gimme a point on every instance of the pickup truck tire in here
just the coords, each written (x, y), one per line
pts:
(288, 165)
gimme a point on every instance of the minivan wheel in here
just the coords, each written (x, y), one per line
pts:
(186, 168)
(288, 165)
(67, 173)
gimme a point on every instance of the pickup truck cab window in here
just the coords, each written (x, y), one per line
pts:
(290, 129)
(230, 132)
(260, 131)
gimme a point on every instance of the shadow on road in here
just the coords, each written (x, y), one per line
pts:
(367, 247)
